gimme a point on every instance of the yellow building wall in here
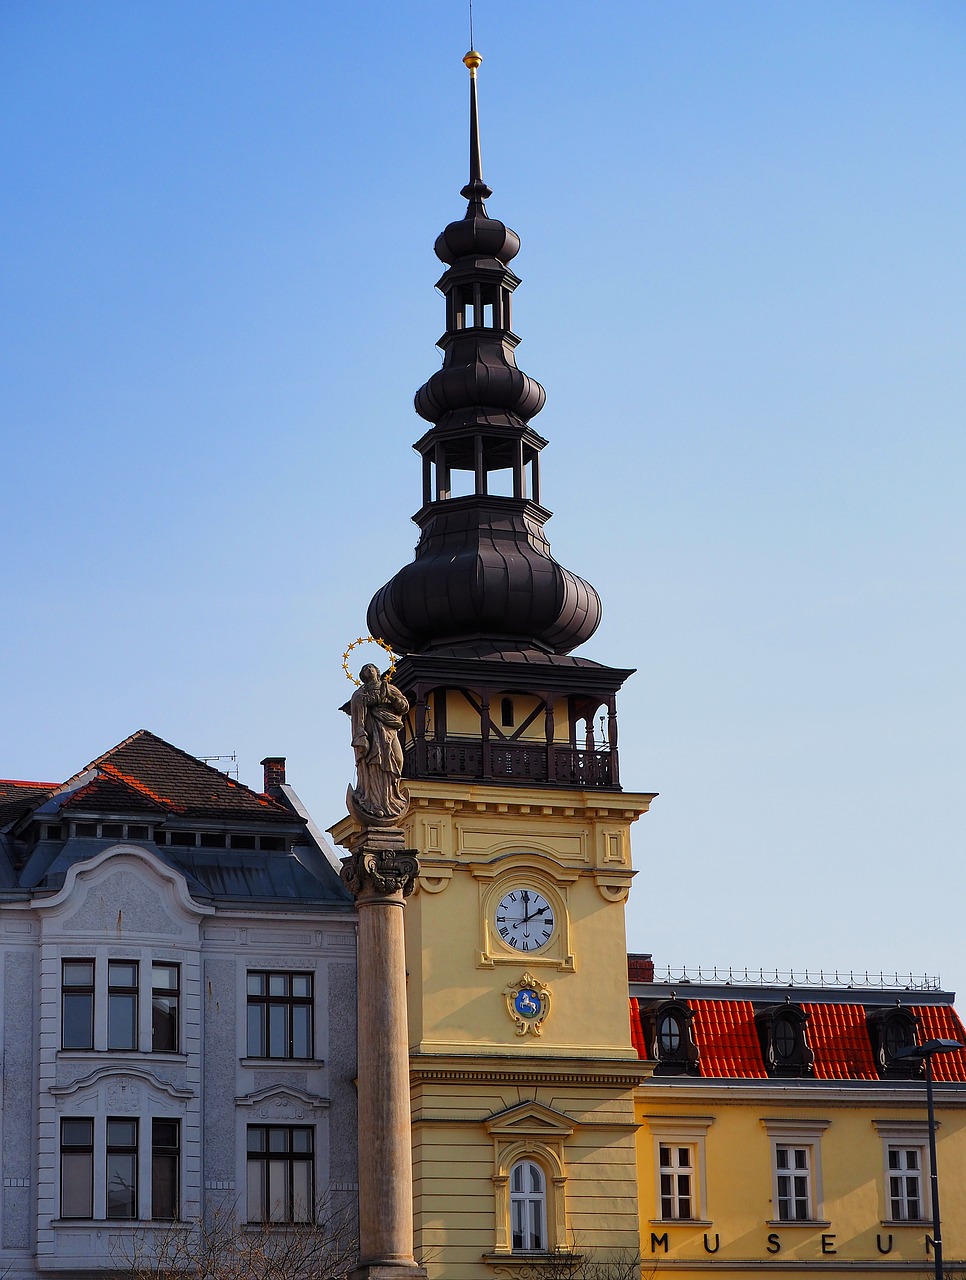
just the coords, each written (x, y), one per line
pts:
(738, 1217)
(483, 1095)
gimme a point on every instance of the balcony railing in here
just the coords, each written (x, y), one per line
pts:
(511, 762)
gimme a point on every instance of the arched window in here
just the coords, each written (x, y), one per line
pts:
(785, 1039)
(669, 1035)
(528, 1207)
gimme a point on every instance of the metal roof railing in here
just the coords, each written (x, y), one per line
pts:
(835, 979)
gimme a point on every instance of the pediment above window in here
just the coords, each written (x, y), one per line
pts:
(126, 1084)
(530, 1119)
(282, 1103)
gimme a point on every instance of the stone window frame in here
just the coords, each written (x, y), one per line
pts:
(682, 1131)
(805, 1133)
(530, 1131)
(906, 1135)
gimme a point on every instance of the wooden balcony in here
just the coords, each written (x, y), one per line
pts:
(455, 759)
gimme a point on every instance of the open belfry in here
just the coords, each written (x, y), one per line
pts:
(521, 1065)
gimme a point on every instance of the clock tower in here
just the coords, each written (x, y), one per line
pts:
(522, 1068)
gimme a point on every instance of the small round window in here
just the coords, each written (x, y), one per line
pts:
(669, 1035)
(784, 1039)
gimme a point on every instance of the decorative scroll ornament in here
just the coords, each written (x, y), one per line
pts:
(381, 871)
(528, 1004)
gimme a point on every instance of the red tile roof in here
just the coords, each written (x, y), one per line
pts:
(838, 1036)
(941, 1022)
(728, 1046)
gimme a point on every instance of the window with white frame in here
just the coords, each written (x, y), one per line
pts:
(793, 1180)
(103, 1175)
(905, 1183)
(796, 1169)
(677, 1180)
(906, 1166)
(102, 1006)
(528, 1207)
(679, 1167)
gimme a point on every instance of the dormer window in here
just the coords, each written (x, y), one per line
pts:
(784, 1043)
(668, 1031)
(892, 1030)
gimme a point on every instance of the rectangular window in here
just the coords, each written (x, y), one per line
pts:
(77, 1168)
(280, 1015)
(280, 1173)
(122, 1004)
(905, 1184)
(677, 1181)
(165, 999)
(793, 1166)
(77, 1020)
(121, 1168)
(165, 1161)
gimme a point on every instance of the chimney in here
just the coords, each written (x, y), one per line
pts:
(640, 968)
(274, 767)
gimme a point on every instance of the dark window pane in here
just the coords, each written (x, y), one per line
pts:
(164, 977)
(122, 974)
(77, 1133)
(121, 1184)
(256, 1031)
(122, 1021)
(164, 1024)
(301, 1031)
(277, 1038)
(78, 1025)
(77, 1184)
(78, 973)
(165, 1142)
(164, 1186)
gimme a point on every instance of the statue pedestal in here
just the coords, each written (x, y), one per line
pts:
(381, 873)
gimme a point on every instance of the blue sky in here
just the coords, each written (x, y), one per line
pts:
(743, 287)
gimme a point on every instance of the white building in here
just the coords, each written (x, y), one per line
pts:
(178, 996)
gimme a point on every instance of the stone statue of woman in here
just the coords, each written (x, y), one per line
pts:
(377, 709)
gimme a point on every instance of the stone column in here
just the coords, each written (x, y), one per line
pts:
(381, 873)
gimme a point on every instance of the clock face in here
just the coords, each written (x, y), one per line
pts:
(524, 919)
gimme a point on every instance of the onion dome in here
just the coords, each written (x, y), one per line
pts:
(483, 579)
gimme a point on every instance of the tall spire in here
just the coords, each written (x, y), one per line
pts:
(476, 190)
(484, 580)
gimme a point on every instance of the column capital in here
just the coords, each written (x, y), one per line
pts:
(379, 866)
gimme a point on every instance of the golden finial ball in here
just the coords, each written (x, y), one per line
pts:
(472, 60)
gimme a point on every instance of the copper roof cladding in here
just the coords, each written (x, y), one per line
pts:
(483, 575)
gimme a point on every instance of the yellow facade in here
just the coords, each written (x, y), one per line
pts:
(559, 1092)
(732, 1128)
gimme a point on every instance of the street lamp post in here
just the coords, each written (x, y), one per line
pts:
(925, 1053)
